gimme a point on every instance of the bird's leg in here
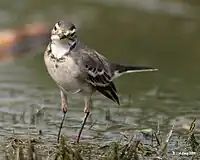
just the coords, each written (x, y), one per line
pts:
(64, 109)
(87, 109)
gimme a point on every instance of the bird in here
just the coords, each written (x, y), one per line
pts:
(78, 69)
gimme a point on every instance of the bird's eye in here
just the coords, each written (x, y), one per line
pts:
(55, 28)
(59, 23)
(99, 70)
(72, 27)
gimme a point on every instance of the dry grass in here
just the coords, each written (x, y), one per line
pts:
(33, 148)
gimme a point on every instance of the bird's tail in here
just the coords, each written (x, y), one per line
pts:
(118, 69)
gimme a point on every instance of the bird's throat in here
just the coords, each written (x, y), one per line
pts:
(59, 48)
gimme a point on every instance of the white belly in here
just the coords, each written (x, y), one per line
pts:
(64, 73)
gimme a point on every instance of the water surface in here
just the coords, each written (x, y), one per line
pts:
(165, 36)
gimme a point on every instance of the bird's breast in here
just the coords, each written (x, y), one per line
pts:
(64, 72)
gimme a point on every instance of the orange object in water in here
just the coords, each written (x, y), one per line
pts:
(17, 43)
(7, 39)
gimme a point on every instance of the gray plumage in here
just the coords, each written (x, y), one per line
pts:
(77, 68)
(82, 69)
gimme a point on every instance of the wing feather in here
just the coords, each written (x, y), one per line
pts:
(98, 73)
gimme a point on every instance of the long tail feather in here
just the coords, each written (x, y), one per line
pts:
(118, 69)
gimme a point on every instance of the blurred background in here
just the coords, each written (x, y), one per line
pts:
(164, 34)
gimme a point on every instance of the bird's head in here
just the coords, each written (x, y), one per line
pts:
(63, 30)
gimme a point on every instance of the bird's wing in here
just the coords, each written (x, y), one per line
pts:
(98, 73)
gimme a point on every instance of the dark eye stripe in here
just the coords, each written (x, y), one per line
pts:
(72, 34)
(59, 23)
(72, 27)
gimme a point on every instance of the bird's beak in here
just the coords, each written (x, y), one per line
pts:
(64, 35)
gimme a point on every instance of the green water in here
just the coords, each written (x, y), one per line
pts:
(162, 35)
